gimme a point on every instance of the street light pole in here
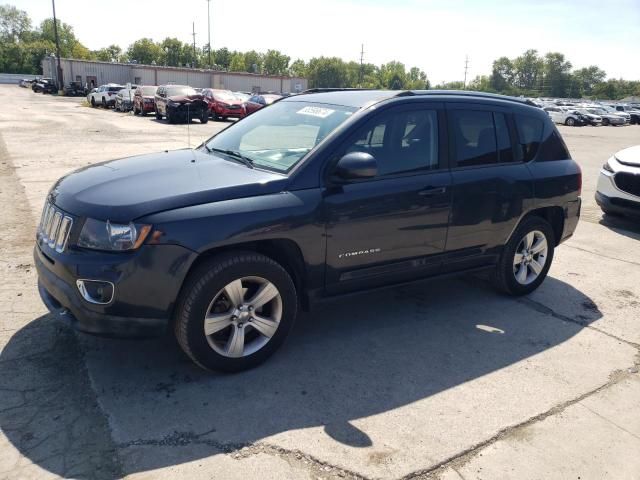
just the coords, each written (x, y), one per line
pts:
(209, 29)
(55, 33)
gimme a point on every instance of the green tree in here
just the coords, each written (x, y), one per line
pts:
(67, 39)
(502, 75)
(298, 68)
(145, 51)
(253, 61)
(327, 72)
(528, 70)
(171, 52)
(112, 53)
(588, 78)
(14, 24)
(223, 57)
(276, 63)
(237, 62)
(557, 75)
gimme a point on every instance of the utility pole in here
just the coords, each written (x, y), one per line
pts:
(193, 26)
(361, 66)
(209, 30)
(60, 80)
(466, 67)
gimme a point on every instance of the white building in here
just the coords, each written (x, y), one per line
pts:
(95, 73)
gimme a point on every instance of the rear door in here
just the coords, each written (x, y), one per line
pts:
(392, 227)
(491, 183)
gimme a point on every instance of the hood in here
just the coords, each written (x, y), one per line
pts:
(629, 156)
(186, 98)
(129, 188)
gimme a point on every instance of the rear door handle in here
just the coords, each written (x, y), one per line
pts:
(432, 191)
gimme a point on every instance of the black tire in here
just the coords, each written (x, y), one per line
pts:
(169, 116)
(504, 278)
(204, 116)
(93, 102)
(104, 103)
(135, 110)
(570, 122)
(605, 122)
(158, 115)
(199, 290)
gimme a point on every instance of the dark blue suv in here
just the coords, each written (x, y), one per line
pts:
(318, 195)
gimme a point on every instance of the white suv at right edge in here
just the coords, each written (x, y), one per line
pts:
(618, 189)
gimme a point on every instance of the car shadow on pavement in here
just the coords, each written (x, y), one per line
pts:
(355, 358)
(629, 227)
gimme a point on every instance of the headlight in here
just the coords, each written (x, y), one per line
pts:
(112, 236)
(607, 166)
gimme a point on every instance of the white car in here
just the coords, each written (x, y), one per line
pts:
(618, 189)
(607, 118)
(613, 111)
(105, 95)
(562, 115)
(591, 118)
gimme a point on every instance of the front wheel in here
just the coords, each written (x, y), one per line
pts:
(93, 102)
(234, 311)
(526, 258)
(204, 116)
(570, 122)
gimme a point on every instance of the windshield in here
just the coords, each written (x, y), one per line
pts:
(173, 91)
(226, 96)
(597, 111)
(278, 137)
(149, 90)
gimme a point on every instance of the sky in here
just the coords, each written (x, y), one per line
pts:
(434, 35)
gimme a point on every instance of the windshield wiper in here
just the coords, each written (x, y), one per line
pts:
(234, 154)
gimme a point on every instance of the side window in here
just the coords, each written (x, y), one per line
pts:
(529, 135)
(400, 141)
(475, 137)
(505, 150)
(553, 148)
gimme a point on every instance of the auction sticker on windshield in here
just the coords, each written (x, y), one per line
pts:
(316, 111)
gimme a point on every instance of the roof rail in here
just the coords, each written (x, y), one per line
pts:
(466, 93)
(323, 89)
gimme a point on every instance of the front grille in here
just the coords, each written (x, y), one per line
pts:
(54, 227)
(234, 107)
(628, 182)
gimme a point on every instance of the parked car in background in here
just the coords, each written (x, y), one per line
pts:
(591, 118)
(26, 82)
(302, 201)
(179, 103)
(143, 100)
(633, 113)
(613, 111)
(618, 189)
(223, 104)
(44, 85)
(124, 100)
(74, 89)
(256, 102)
(105, 95)
(565, 116)
(607, 118)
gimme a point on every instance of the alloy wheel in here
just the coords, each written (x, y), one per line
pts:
(243, 317)
(530, 257)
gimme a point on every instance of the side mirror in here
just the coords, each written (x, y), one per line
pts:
(356, 166)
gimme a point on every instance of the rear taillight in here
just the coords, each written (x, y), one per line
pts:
(579, 179)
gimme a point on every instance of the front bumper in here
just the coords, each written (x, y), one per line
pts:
(147, 283)
(618, 205)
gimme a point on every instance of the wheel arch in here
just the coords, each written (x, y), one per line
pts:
(284, 251)
(552, 214)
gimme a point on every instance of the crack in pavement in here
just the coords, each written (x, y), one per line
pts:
(239, 451)
(603, 255)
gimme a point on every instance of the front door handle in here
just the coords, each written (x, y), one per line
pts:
(432, 191)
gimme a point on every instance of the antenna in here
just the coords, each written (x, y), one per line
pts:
(361, 65)
(466, 68)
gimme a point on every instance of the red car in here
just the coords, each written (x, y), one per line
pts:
(256, 102)
(223, 104)
(143, 99)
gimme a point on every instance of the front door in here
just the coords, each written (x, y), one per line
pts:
(392, 227)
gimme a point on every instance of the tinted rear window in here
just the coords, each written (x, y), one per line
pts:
(553, 148)
(475, 138)
(114, 89)
(529, 135)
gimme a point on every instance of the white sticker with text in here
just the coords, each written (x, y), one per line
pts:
(316, 112)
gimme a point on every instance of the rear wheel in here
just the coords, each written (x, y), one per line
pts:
(104, 102)
(158, 115)
(235, 310)
(204, 116)
(526, 258)
(170, 116)
(605, 122)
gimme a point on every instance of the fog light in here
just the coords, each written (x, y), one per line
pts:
(96, 291)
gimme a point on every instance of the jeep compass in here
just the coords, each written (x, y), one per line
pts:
(315, 196)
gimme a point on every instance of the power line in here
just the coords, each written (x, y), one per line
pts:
(361, 65)
(209, 29)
